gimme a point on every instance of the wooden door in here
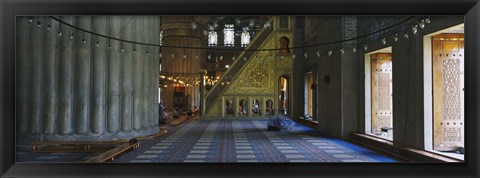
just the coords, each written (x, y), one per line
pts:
(448, 94)
(381, 81)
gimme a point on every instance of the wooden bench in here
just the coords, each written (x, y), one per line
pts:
(182, 120)
(110, 154)
(162, 131)
(179, 121)
(73, 146)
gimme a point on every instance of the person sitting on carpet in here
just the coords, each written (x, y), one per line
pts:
(195, 110)
(279, 122)
(162, 115)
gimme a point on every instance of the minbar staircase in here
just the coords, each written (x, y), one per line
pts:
(213, 95)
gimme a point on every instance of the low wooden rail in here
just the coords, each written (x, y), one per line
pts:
(181, 120)
(73, 146)
(111, 154)
(108, 149)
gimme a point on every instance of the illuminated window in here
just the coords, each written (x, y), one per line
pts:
(309, 96)
(212, 38)
(245, 39)
(378, 93)
(229, 35)
(444, 95)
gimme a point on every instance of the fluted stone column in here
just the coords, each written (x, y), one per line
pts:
(65, 78)
(126, 76)
(113, 84)
(71, 89)
(137, 72)
(50, 77)
(99, 74)
(146, 71)
(82, 76)
(35, 80)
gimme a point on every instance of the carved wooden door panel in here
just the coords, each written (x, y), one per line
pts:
(381, 81)
(448, 94)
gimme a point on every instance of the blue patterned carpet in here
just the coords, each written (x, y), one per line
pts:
(246, 141)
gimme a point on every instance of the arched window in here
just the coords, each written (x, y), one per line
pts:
(212, 38)
(284, 49)
(256, 107)
(245, 38)
(229, 107)
(269, 107)
(242, 108)
(229, 33)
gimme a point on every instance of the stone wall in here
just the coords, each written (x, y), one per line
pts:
(341, 103)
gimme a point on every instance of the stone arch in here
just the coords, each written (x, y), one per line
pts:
(229, 110)
(242, 107)
(284, 42)
(269, 107)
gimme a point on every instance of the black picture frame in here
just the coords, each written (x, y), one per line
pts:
(9, 9)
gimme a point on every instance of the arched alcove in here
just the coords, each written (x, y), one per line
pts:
(242, 107)
(229, 107)
(255, 107)
(269, 107)
(283, 94)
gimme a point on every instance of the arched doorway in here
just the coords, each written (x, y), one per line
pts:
(242, 108)
(269, 107)
(283, 95)
(229, 107)
(256, 107)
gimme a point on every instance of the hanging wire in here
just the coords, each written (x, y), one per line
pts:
(270, 49)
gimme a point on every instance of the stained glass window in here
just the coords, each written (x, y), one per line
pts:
(212, 38)
(229, 33)
(245, 38)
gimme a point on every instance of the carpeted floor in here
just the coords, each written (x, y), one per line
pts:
(246, 141)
